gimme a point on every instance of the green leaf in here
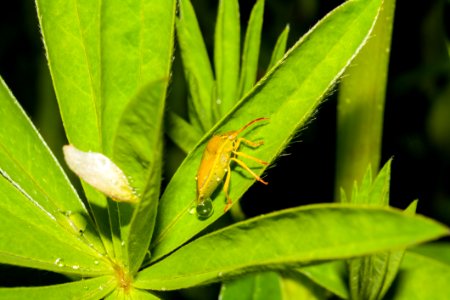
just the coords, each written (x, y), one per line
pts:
(183, 134)
(72, 35)
(421, 278)
(298, 286)
(117, 57)
(439, 251)
(280, 48)
(329, 231)
(373, 192)
(93, 288)
(137, 42)
(42, 177)
(288, 95)
(227, 54)
(253, 287)
(379, 192)
(32, 237)
(41, 181)
(371, 276)
(197, 67)
(138, 151)
(131, 293)
(329, 275)
(250, 54)
(361, 104)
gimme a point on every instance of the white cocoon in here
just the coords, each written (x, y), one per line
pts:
(100, 172)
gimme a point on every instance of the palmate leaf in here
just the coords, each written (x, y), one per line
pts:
(288, 95)
(329, 232)
(115, 90)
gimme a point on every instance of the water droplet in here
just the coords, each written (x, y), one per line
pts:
(59, 262)
(204, 209)
(218, 179)
(220, 274)
(196, 178)
(192, 209)
(96, 262)
(225, 170)
(218, 101)
(163, 289)
(75, 267)
(122, 243)
(68, 213)
(100, 288)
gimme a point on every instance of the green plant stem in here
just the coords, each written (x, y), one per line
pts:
(361, 105)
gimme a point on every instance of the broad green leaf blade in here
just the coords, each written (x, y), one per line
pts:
(438, 251)
(259, 286)
(298, 286)
(141, 34)
(73, 35)
(329, 275)
(40, 177)
(421, 278)
(197, 67)
(329, 232)
(227, 39)
(137, 44)
(280, 48)
(32, 237)
(250, 54)
(361, 105)
(288, 95)
(183, 134)
(86, 289)
(138, 148)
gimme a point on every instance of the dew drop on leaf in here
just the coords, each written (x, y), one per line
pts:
(192, 209)
(59, 262)
(204, 209)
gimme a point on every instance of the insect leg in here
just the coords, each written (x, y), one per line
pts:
(242, 164)
(250, 157)
(226, 186)
(247, 142)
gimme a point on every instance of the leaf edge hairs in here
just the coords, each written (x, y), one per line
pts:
(101, 173)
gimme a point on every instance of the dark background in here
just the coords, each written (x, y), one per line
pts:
(417, 115)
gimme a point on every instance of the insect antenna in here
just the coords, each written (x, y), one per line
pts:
(249, 124)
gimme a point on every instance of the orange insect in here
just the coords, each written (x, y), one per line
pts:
(215, 164)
